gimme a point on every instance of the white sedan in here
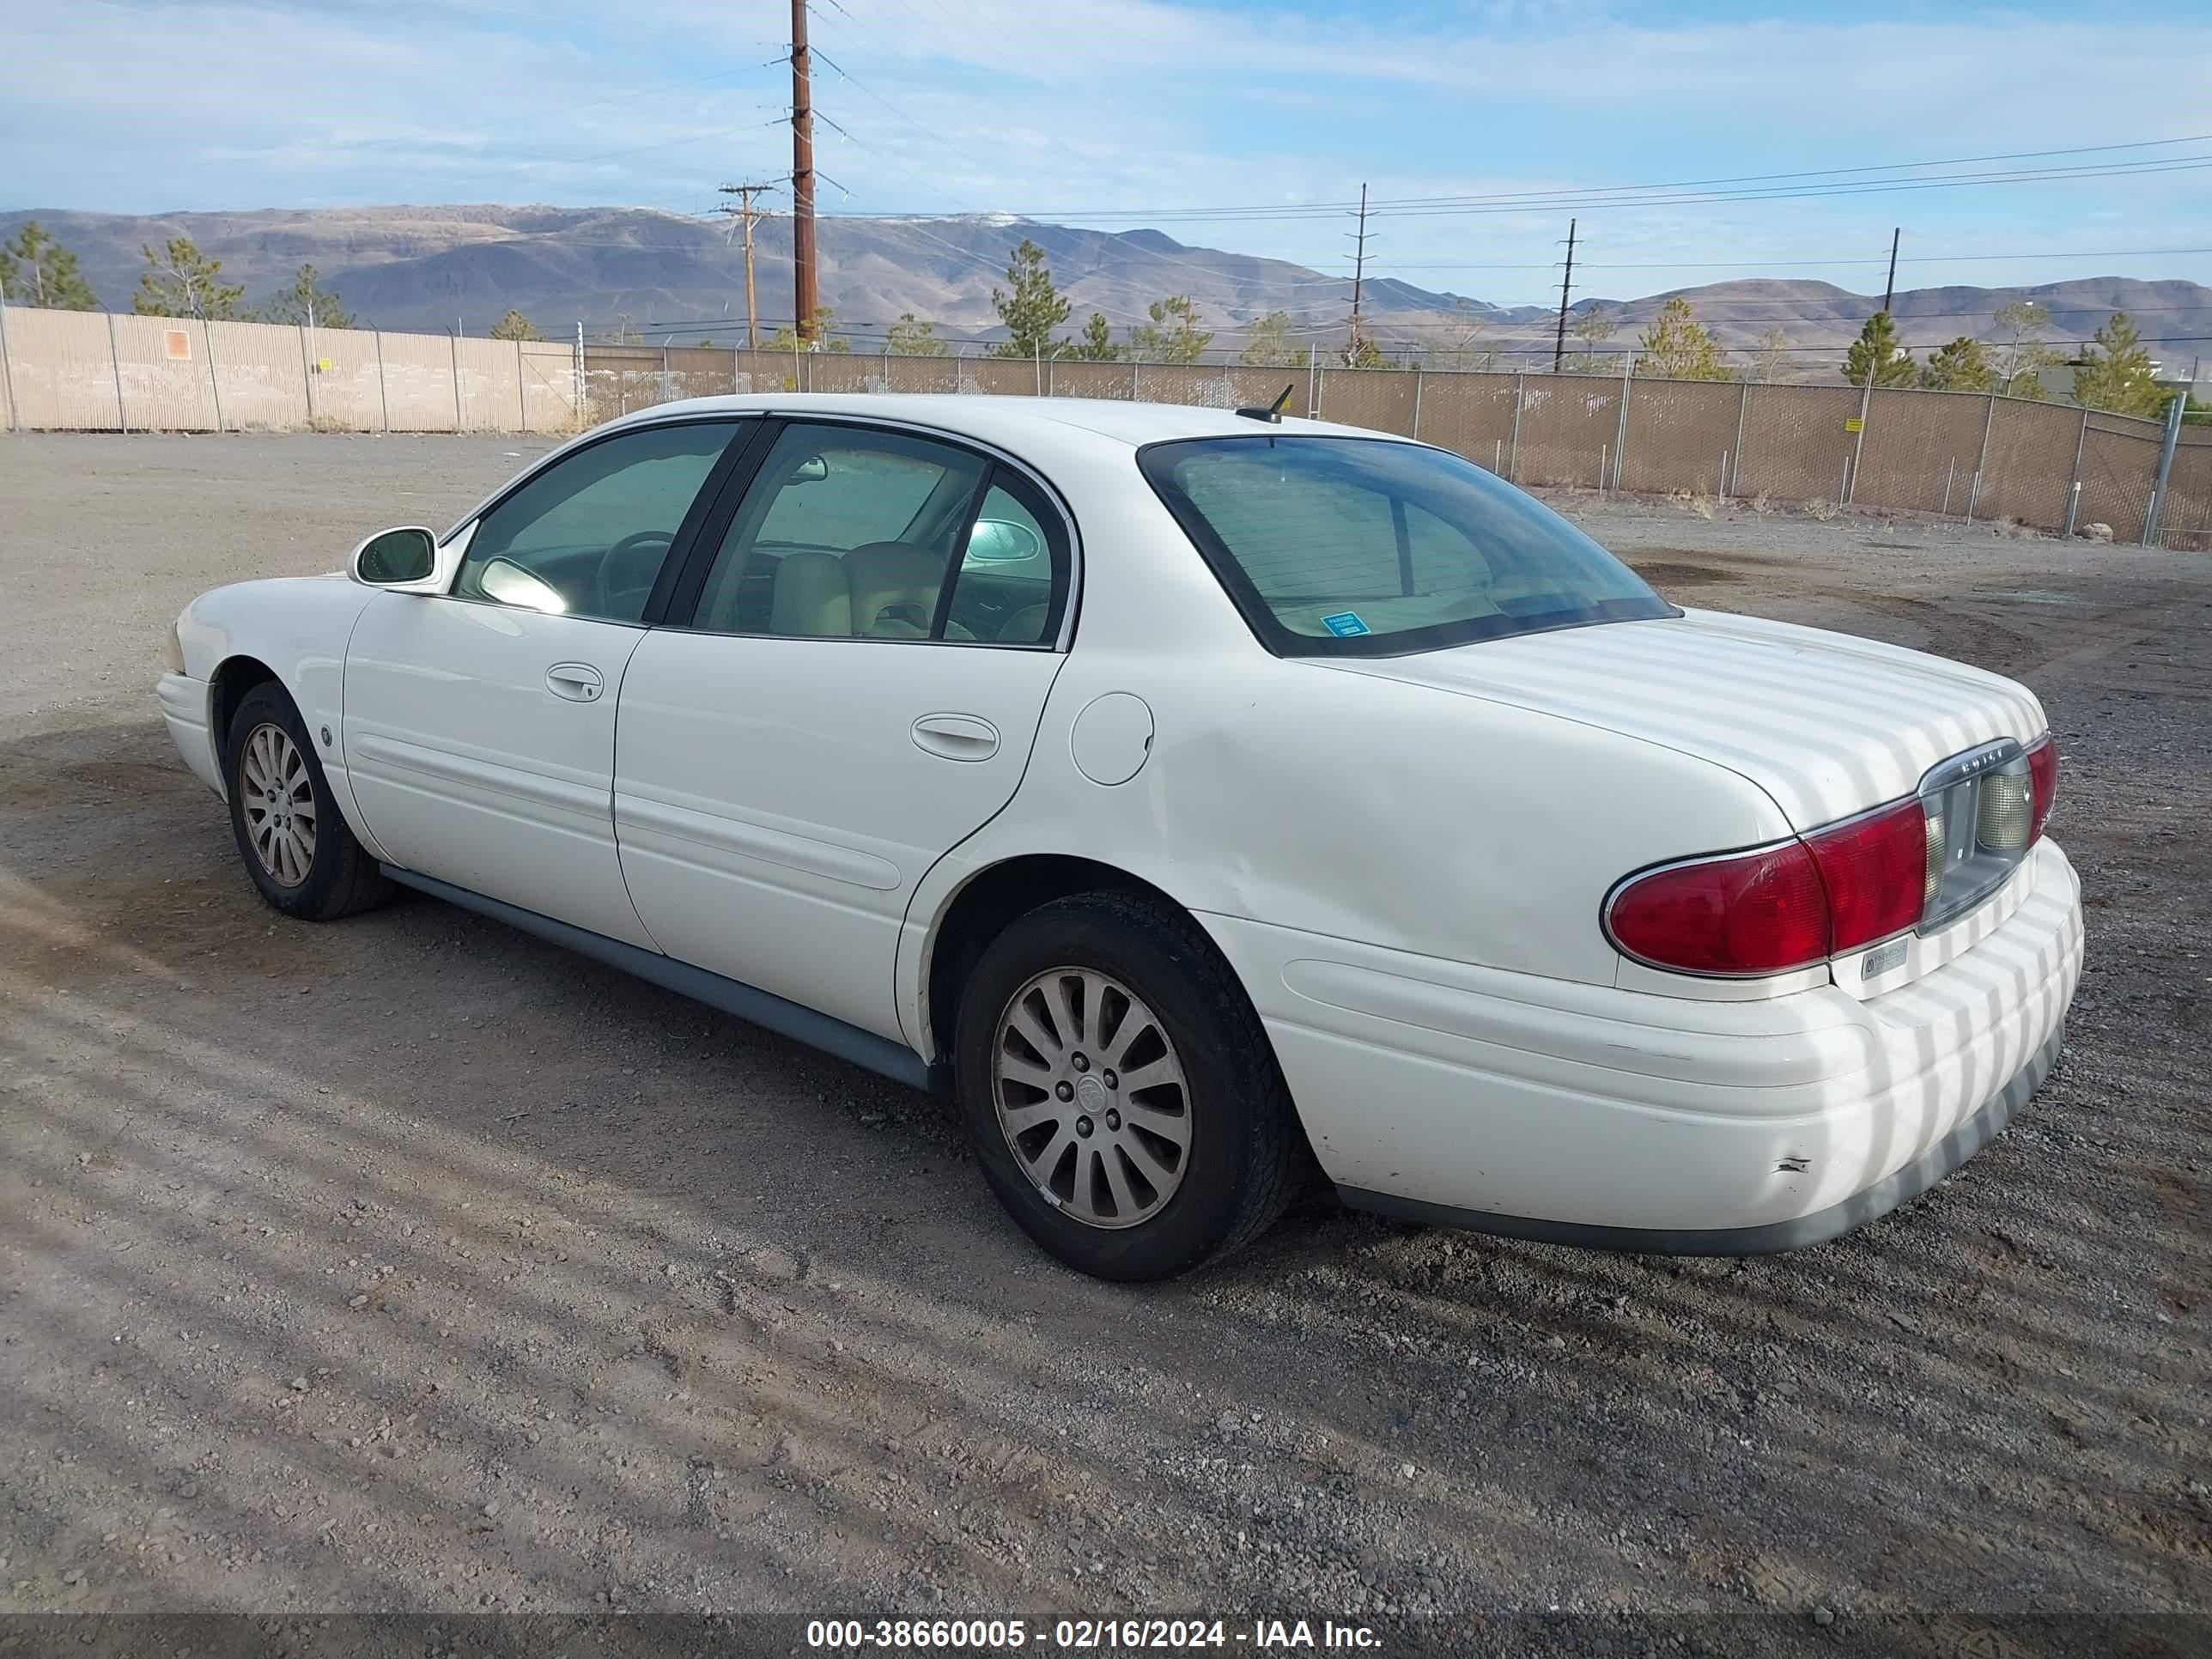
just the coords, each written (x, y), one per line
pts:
(1194, 796)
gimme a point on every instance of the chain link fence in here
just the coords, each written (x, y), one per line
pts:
(2050, 467)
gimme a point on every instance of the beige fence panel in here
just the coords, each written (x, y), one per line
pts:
(63, 366)
(2030, 460)
(1380, 398)
(1471, 414)
(418, 382)
(548, 369)
(490, 390)
(1669, 442)
(1115, 381)
(161, 363)
(346, 379)
(2119, 467)
(1569, 424)
(1920, 449)
(1996, 458)
(620, 379)
(2184, 519)
(845, 371)
(261, 373)
(1795, 443)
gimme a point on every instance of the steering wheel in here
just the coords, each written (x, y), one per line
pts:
(628, 603)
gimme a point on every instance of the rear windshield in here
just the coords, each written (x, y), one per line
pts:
(1363, 547)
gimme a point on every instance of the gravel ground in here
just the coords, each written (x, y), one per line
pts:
(411, 1265)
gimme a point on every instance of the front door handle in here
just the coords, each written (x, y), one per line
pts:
(579, 682)
(956, 737)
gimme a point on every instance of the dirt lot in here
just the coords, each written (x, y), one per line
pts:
(410, 1264)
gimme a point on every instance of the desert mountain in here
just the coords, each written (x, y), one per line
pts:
(678, 278)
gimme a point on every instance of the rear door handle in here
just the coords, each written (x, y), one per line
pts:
(956, 737)
(579, 682)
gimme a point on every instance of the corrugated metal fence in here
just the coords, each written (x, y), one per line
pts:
(2048, 466)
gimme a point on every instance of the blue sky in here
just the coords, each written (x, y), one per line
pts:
(1189, 116)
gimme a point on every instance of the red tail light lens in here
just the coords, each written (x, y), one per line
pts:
(1875, 870)
(2043, 772)
(1753, 912)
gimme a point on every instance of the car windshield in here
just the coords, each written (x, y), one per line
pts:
(1363, 547)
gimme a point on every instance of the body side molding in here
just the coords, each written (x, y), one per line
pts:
(818, 1030)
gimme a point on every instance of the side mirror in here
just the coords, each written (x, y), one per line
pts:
(391, 559)
(1001, 541)
(812, 469)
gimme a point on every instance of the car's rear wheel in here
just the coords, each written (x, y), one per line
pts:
(295, 843)
(1119, 1091)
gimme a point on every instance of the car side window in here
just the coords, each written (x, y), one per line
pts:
(587, 536)
(845, 533)
(1012, 582)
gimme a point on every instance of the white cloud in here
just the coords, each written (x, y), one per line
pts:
(1117, 104)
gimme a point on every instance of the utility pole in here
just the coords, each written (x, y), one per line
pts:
(747, 212)
(804, 301)
(1359, 277)
(1560, 345)
(1889, 288)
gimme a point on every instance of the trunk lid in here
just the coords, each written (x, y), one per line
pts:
(1826, 724)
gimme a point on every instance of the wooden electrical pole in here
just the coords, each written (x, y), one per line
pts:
(1559, 346)
(746, 211)
(1889, 289)
(804, 301)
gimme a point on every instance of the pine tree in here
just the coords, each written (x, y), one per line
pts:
(1095, 345)
(515, 326)
(1033, 309)
(910, 338)
(1875, 355)
(2115, 373)
(1268, 344)
(1360, 351)
(1592, 328)
(37, 271)
(1961, 365)
(180, 282)
(1173, 336)
(2021, 351)
(305, 302)
(785, 338)
(1676, 347)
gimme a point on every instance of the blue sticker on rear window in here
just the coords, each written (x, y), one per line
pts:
(1345, 623)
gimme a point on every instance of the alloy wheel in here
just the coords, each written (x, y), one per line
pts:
(278, 799)
(1092, 1097)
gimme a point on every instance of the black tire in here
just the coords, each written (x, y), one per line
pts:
(1246, 1156)
(340, 878)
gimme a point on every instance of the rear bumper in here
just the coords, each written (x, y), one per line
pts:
(1619, 1119)
(1900, 1187)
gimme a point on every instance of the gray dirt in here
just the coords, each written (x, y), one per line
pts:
(412, 1264)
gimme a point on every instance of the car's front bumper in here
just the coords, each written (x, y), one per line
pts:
(186, 706)
(1619, 1119)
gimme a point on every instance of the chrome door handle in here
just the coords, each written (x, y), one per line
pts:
(579, 682)
(956, 737)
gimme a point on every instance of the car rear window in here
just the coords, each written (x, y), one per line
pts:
(1363, 547)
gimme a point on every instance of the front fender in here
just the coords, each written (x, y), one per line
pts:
(296, 627)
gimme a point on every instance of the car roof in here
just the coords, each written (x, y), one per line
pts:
(1007, 419)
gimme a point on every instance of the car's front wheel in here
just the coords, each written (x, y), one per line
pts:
(1119, 1091)
(295, 843)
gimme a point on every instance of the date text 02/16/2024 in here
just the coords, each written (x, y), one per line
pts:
(1079, 1635)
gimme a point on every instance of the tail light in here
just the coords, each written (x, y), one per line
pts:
(1839, 890)
(2043, 770)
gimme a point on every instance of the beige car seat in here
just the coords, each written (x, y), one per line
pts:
(880, 590)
